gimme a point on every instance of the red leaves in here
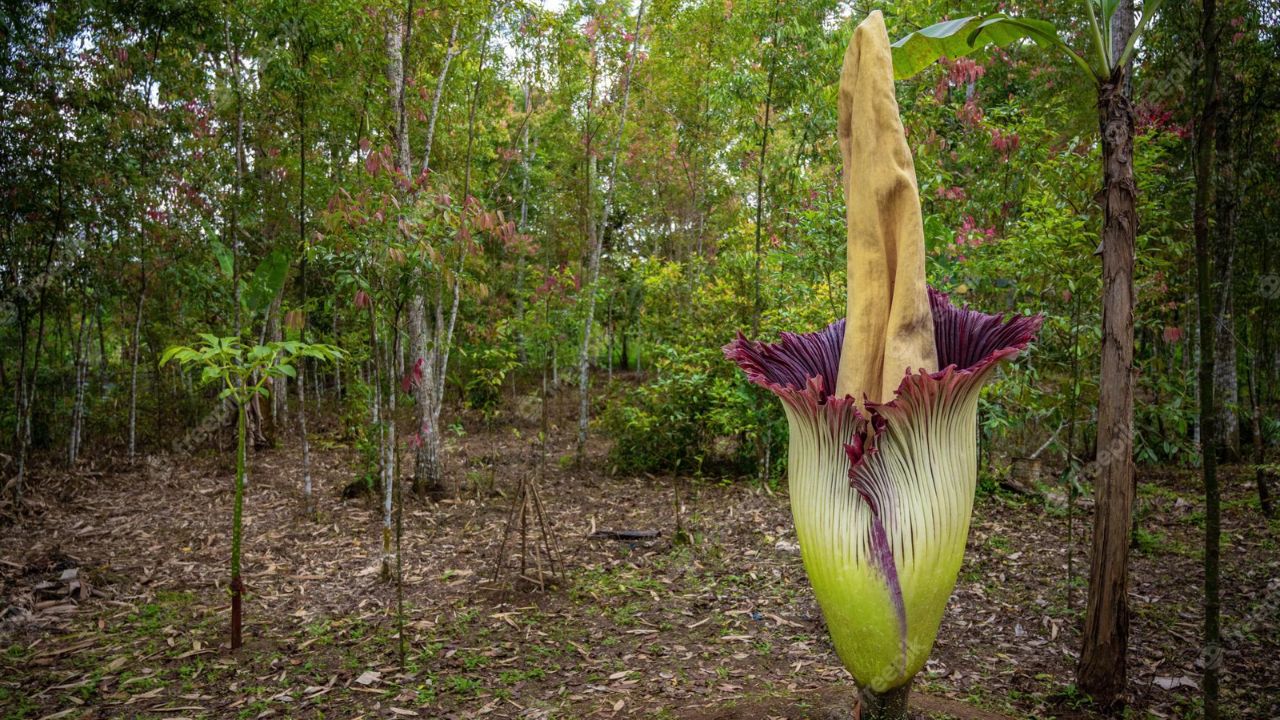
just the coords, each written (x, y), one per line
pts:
(1005, 143)
(363, 301)
(412, 377)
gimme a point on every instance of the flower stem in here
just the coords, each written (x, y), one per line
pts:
(888, 705)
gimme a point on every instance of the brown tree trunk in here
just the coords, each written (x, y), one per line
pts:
(1226, 385)
(1101, 672)
(1204, 150)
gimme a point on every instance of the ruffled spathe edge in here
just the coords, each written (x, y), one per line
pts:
(801, 368)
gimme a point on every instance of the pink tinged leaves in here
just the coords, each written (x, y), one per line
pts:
(1004, 143)
(412, 377)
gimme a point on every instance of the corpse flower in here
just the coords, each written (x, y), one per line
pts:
(882, 497)
(882, 461)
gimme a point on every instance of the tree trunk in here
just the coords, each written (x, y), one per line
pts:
(389, 462)
(1204, 150)
(27, 388)
(380, 420)
(449, 54)
(84, 338)
(396, 67)
(309, 496)
(435, 340)
(758, 298)
(1261, 473)
(237, 524)
(133, 370)
(609, 336)
(309, 504)
(1101, 672)
(595, 236)
(1225, 375)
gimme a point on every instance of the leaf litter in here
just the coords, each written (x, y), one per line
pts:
(113, 599)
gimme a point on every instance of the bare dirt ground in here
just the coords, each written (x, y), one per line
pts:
(113, 594)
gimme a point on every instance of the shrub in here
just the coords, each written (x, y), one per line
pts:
(694, 415)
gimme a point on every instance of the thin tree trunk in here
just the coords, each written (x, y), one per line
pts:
(133, 370)
(757, 301)
(83, 344)
(27, 391)
(1102, 672)
(1204, 150)
(391, 480)
(1226, 205)
(608, 329)
(449, 55)
(309, 504)
(337, 368)
(596, 238)
(380, 419)
(1261, 475)
(428, 334)
(524, 218)
(397, 67)
(237, 526)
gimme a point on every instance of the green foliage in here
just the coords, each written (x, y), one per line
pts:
(487, 367)
(161, 170)
(243, 372)
(695, 416)
(962, 36)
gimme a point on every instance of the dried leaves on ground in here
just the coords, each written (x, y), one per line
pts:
(114, 600)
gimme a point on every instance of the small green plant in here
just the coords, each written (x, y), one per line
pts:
(489, 364)
(243, 373)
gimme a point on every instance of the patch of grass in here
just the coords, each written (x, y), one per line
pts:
(473, 661)
(511, 677)
(17, 704)
(625, 616)
(1149, 542)
(426, 694)
(321, 630)
(463, 685)
(253, 709)
(430, 651)
(16, 652)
